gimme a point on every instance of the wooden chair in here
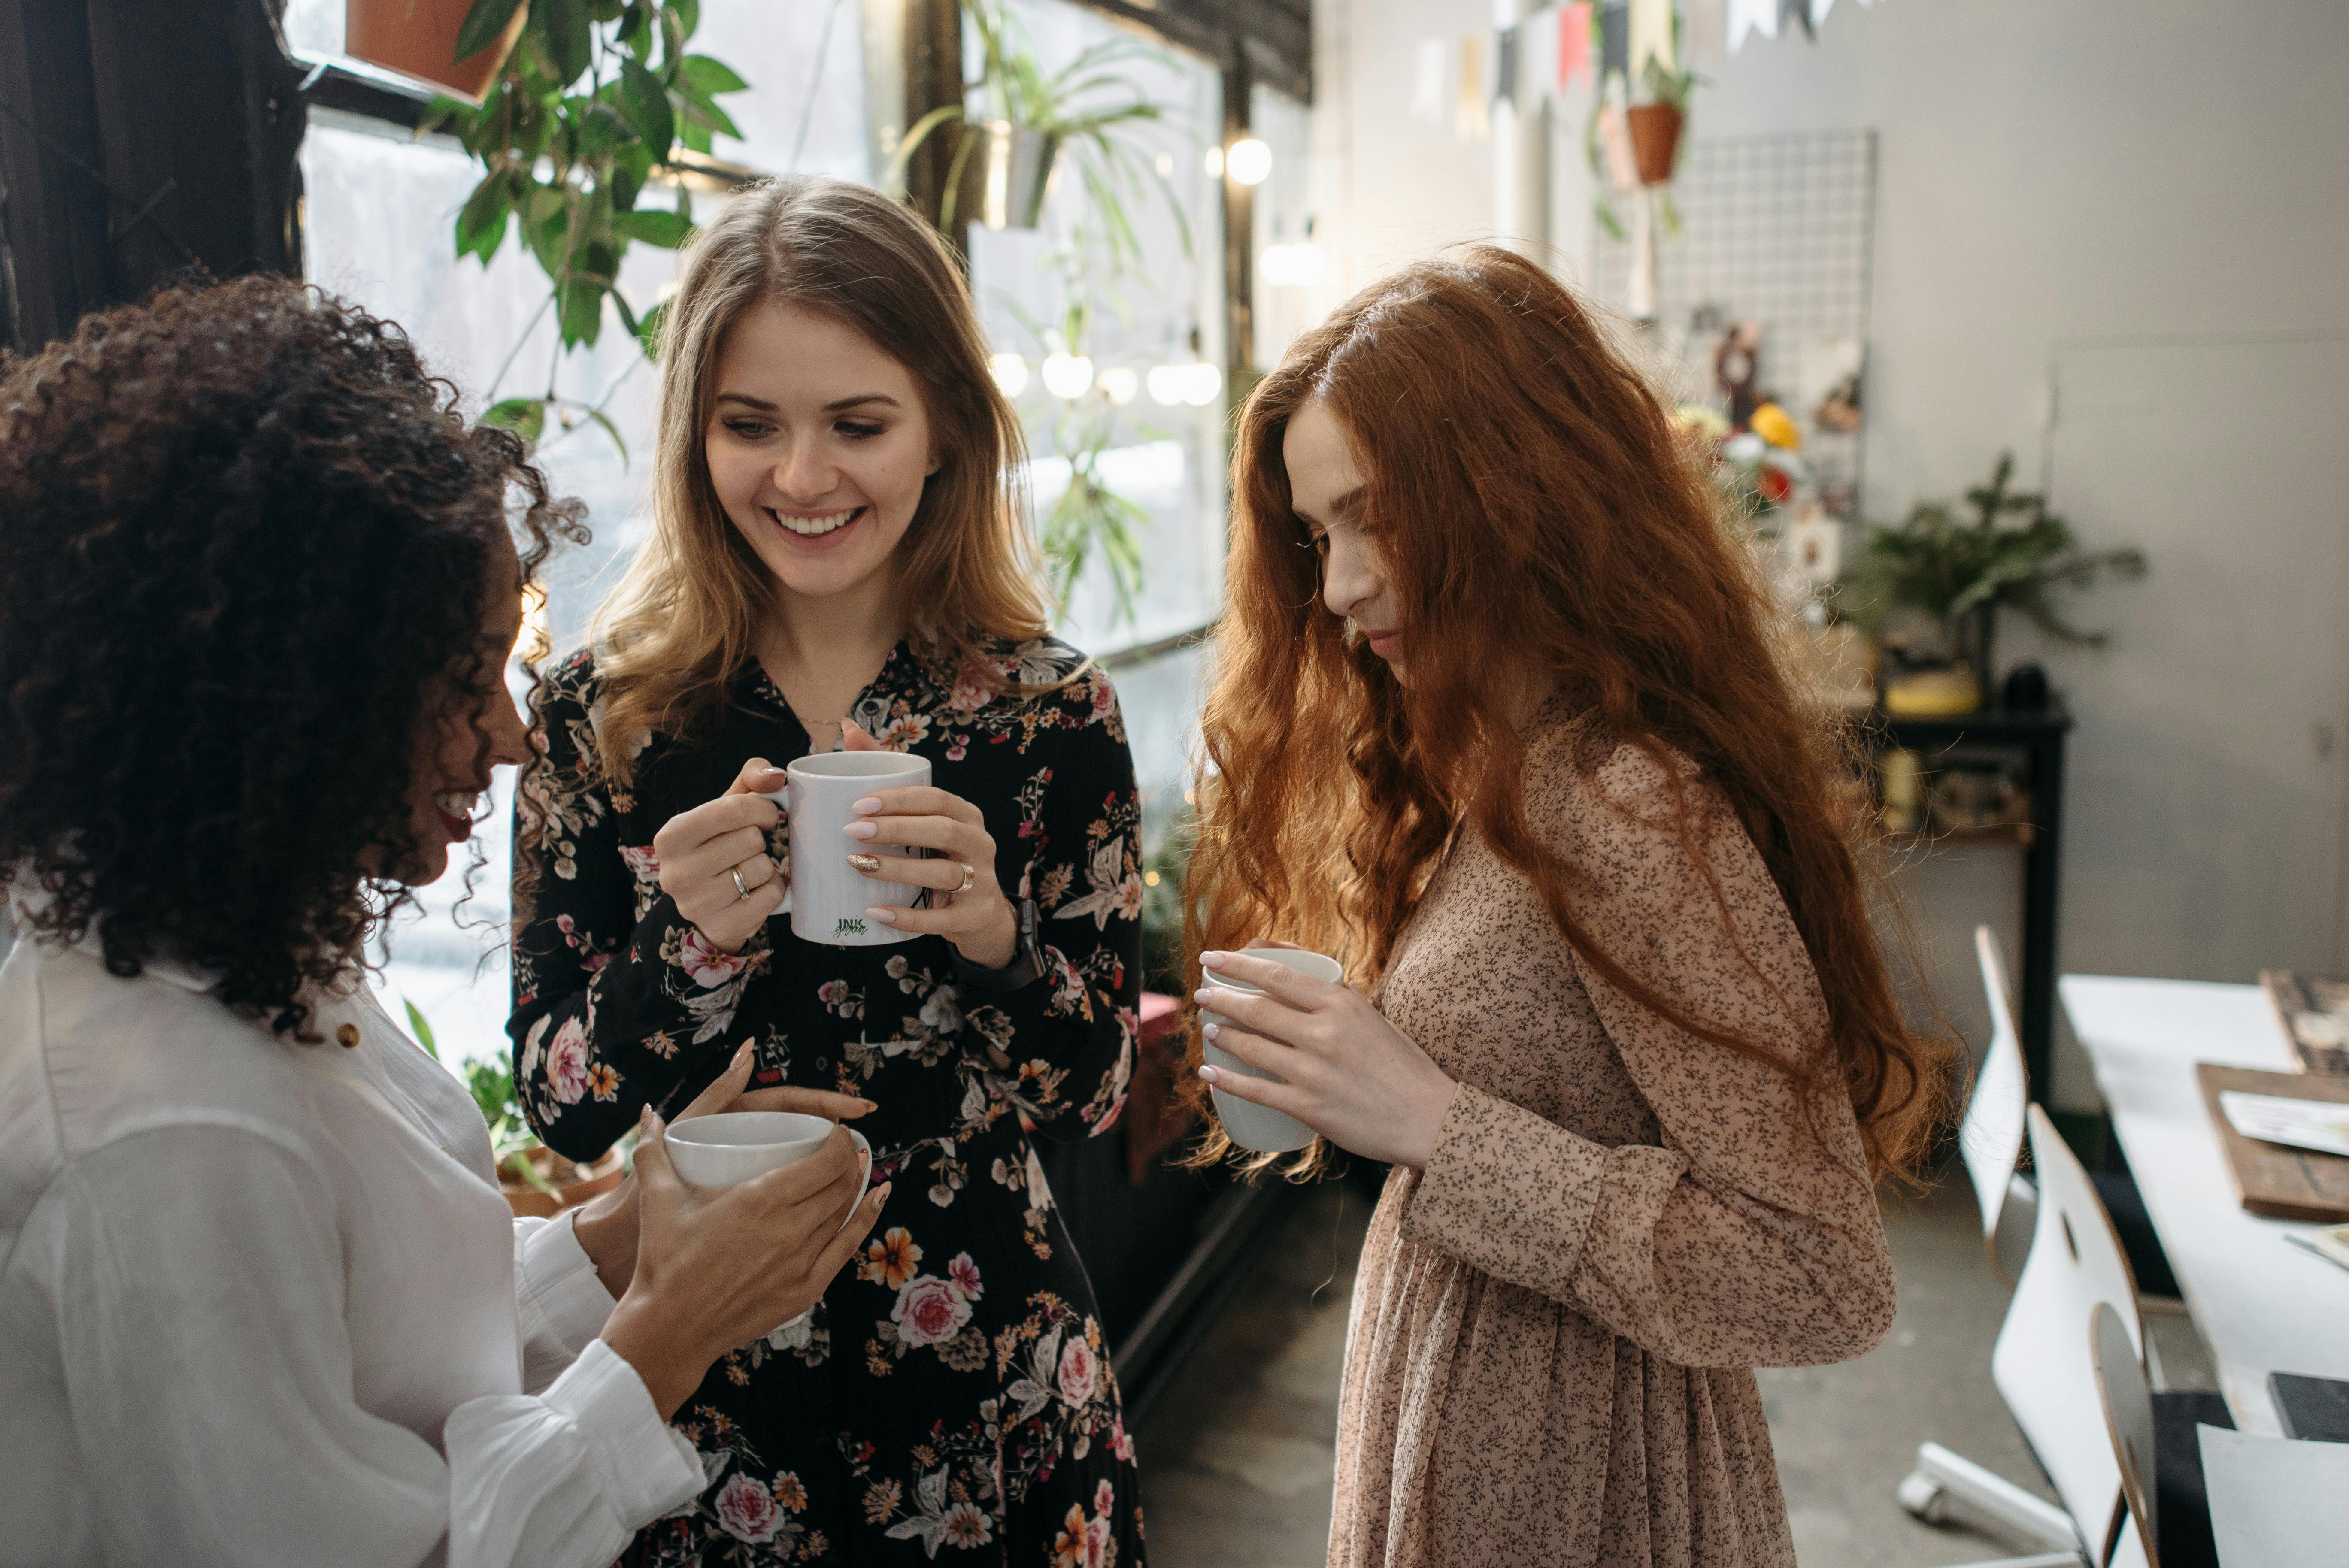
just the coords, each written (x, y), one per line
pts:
(2158, 1450)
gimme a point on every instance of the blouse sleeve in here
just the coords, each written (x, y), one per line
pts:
(209, 1365)
(610, 982)
(1751, 1237)
(1068, 1038)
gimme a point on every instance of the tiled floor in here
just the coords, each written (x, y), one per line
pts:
(1237, 1455)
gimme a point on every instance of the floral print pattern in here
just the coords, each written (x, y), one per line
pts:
(950, 1397)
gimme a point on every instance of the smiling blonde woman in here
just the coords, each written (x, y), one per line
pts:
(837, 561)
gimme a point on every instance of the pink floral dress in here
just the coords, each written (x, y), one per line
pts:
(949, 1399)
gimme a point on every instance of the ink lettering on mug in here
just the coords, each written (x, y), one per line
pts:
(848, 927)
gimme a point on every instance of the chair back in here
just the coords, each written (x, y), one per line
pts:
(2127, 1399)
(2042, 1363)
(1990, 1139)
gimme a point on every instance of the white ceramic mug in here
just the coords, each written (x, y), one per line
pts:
(827, 897)
(1249, 1125)
(730, 1147)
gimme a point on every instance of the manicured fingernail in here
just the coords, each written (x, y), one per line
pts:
(1208, 1072)
(1203, 995)
(866, 807)
(771, 772)
(862, 830)
(885, 1191)
(885, 916)
(1212, 1030)
(744, 1054)
(865, 862)
(1211, 960)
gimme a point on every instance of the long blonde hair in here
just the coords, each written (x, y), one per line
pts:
(685, 616)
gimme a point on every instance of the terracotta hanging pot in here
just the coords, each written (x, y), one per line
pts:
(570, 1183)
(1655, 140)
(418, 38)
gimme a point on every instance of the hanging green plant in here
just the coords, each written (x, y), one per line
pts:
(586, 113)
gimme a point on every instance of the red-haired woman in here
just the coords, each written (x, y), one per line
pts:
(1624, 1032)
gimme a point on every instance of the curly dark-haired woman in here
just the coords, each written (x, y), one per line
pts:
(833, 559)
(262, 1301)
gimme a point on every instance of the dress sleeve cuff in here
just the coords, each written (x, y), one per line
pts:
(1507, 1191)
(560, 1285)
(649, 1470)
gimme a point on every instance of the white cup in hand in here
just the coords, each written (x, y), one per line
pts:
(827, 897)
(1247, 1124)
(730, 1147)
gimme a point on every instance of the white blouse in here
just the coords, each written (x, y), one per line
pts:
(262, 1301)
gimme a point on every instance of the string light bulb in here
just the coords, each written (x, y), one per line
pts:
(1010, 373)
(1249, 160)
(1067, 376)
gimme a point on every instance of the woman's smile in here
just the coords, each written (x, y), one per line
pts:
(825, 528)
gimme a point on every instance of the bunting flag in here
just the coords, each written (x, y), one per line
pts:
(1472, 113)
(1573, 35)
(1751, 16)
(1650, 29)
(1431, 92)
(1706, 33)
(1614, 40)
(1799, 13)
(1505, 59)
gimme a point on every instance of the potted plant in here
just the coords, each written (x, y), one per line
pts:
(428, 39)
(1656, 124)
(1026, 116)
(2014, 553)
(595, 99)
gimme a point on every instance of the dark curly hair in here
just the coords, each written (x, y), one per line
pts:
(246, 544)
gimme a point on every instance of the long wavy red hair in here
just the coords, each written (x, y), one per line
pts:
(1535, 516)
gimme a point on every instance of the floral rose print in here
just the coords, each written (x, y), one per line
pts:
(747, 1510)
(929, 1311)
(963, 1347)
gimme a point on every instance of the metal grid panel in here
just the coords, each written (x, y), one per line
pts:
(1774, 229)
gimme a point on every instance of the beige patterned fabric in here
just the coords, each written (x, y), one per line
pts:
(1550, 1350)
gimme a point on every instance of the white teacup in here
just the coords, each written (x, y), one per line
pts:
(730, 1147)
(1249, 1125)
(827, 897)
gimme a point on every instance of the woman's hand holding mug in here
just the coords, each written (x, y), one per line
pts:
(714, 861)
(967, 905)
(714, 1270)
(1352, 1077)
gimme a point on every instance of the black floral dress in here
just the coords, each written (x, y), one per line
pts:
(950, 1397)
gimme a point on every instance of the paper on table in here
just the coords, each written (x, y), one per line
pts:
(2275, 1502)
(2320, 1125)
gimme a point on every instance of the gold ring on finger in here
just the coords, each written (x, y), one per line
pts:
(740, 893)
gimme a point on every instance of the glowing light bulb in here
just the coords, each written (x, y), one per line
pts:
(1168, 384)
(1202, 385)
(1010, 373)
(1249, 160)
(1120, 384)
(1215, 162)
(1066, 375)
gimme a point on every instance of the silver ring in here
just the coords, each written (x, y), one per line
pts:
(968, 876)
(740, 893)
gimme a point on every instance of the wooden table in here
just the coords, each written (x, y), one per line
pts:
(2262, 1305)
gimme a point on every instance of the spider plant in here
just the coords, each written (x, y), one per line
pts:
(1079, 108)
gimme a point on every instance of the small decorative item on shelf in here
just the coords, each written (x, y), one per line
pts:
(1978, 797)
(2026, 688)
(1933, 694)
(2014, 553)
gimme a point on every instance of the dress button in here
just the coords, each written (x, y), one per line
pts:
(348, 1034)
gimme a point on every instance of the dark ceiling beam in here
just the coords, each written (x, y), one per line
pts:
(1277, 35)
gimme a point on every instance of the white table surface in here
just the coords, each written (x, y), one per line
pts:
(2262, 1305)
(2273, 1503)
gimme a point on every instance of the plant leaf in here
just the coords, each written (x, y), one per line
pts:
(647, 329)
(667, 229)
(565, 34)
(612, 430)
(706, 77)
(483, 23)
(482, 221)
(647, 105)
(423, 1030)
(525, 416)
(582, 310)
